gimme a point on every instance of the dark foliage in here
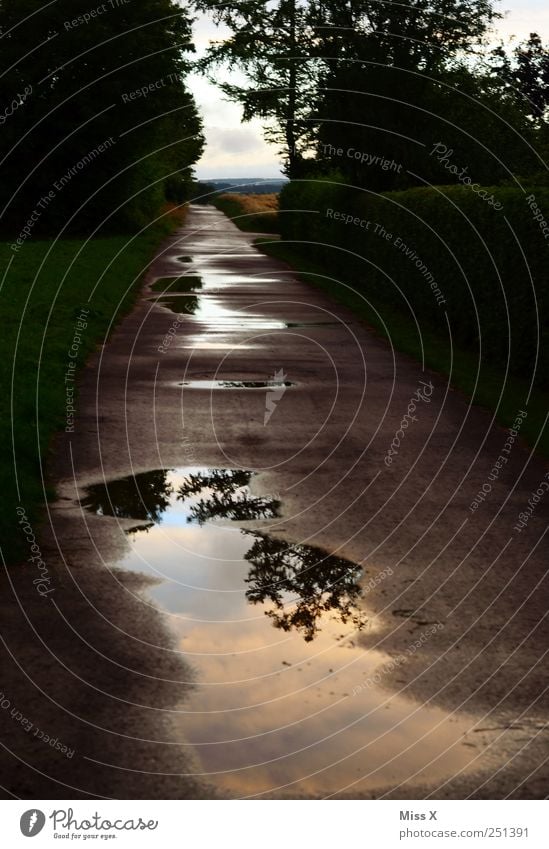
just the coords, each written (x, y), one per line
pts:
(103, 123)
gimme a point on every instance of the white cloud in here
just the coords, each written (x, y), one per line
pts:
(237, 152)
(234, 140)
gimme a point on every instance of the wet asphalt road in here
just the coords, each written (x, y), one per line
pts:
(97, 670)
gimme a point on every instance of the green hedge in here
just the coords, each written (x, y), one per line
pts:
(479, 265)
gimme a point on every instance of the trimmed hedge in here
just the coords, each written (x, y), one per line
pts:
(475, 261)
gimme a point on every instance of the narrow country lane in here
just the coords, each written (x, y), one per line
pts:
(297, 594)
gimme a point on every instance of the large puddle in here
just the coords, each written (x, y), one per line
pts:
(284, 701)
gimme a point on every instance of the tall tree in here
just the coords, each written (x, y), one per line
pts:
(399, 78)
(348, 70)
(270, 44)
(526, 70)
(418, 35)
(107, 115)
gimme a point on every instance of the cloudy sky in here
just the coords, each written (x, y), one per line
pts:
(239, 150)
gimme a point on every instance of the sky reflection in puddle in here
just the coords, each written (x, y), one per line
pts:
(236, 384)
(283, 701)
(215, 280)
(208, 310)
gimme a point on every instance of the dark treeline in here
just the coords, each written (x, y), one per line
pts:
(341, 83)
(95, 119)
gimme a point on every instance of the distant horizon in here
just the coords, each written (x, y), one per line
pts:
(233, 178)
(207, 174)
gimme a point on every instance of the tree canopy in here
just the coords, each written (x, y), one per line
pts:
(346, 84)
(103, 120)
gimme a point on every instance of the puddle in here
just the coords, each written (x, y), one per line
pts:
(219, 280)
(186, 283)
(284, 701)
(316, 324)
(211, 282)
(236, 384)
(208, 309)
(196, 343)
(180, 304)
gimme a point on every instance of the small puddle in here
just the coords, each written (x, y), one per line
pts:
(250, 254)
(210, 283)
(236, 384)
(218, 280)
(208, 309)
(316, 324)
(180, 304)
(175, 285)
(284, 701)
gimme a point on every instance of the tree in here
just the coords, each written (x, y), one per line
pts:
(398, 80)
(420, 35)
(370, 76)
(526, 71)
(270, 44)
(108, 117)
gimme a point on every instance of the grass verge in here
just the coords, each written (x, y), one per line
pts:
(43, 290)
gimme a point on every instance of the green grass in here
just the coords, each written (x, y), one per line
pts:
(43, 289)
(484, 390)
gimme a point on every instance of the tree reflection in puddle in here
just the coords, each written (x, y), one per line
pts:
(177, 285)
(144, 496)
(303, 584)
(180, 304)
(227, 496)
(298, 584)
